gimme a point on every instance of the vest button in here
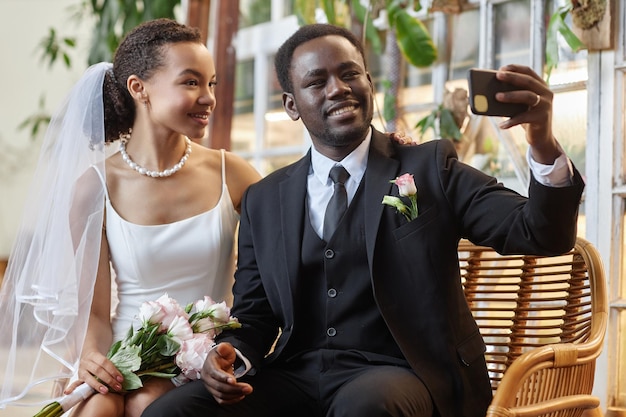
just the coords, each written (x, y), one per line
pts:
(331, 331)
(329, 254)
(332, 293)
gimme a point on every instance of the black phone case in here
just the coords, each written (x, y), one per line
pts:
(483, 86)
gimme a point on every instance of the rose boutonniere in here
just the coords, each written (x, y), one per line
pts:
(407, 189)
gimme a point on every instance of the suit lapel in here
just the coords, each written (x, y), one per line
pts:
(293, 191)
(381, 168)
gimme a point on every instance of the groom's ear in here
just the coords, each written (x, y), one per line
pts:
(289, 103)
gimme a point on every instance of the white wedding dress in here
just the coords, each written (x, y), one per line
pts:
(187, 259)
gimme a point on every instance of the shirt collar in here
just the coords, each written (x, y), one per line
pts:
(355, 162)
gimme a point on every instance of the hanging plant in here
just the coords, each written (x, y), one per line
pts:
(586, 14)
(557, 26)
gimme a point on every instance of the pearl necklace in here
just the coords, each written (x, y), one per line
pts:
(155, 174)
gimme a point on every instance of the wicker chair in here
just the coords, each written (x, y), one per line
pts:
(543, 320)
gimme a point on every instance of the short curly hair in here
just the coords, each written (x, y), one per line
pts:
(141, 53)
(284, 55)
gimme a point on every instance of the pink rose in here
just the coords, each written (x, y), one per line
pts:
(406, 185)
(151, 312)
(171, 310)
(192, 355)
(407, 189)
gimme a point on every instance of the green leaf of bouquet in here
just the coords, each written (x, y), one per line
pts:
(114, 348)
(160, 374)
(153, 332)
(131, 381)
(127, 358)
(168, 346)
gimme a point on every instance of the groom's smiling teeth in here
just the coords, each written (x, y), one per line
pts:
(200, 115)
(342, 110)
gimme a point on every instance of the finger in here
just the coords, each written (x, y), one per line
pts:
(226, 352)
(228, 393)
(99, 377)
(529, 98)
(71, 387)
(112, 373)
(521, 69)
(94, 382)
(524, 83)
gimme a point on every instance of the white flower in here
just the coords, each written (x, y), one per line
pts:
(220, 312)
(204, 304)
(151, 312)
(180, 329)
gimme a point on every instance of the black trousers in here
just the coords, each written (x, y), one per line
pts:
(325, 383)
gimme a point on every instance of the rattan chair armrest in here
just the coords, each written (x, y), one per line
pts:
(545, 407)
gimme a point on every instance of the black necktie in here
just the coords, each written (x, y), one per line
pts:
(338, 202)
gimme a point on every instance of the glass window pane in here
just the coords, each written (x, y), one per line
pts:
(275, 101)
(464, 43)
(512, 33)
(273, 163)
(571, 66)
(252, 12)
(569, 124)
(242, 136)
(244, 87)
(280, 130)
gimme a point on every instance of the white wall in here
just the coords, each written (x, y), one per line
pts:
(23, 80)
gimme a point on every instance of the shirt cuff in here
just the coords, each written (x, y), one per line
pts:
(559, 174)
(245, 367)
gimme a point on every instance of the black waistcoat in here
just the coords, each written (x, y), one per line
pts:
(334, 304)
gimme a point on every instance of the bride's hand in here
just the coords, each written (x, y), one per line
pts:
(99, 372)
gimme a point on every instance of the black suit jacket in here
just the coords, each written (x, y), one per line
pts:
(413, 265)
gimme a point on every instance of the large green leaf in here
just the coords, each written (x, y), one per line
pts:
(329, 8)
(555, 27)
(304, 11)
(425, 123)
(414, 40)
(447, 126)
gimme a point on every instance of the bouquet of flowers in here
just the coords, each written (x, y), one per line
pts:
(172, 342)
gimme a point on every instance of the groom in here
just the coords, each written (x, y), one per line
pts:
(370, 318)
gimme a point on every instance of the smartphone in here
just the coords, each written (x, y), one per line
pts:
(483, 86)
